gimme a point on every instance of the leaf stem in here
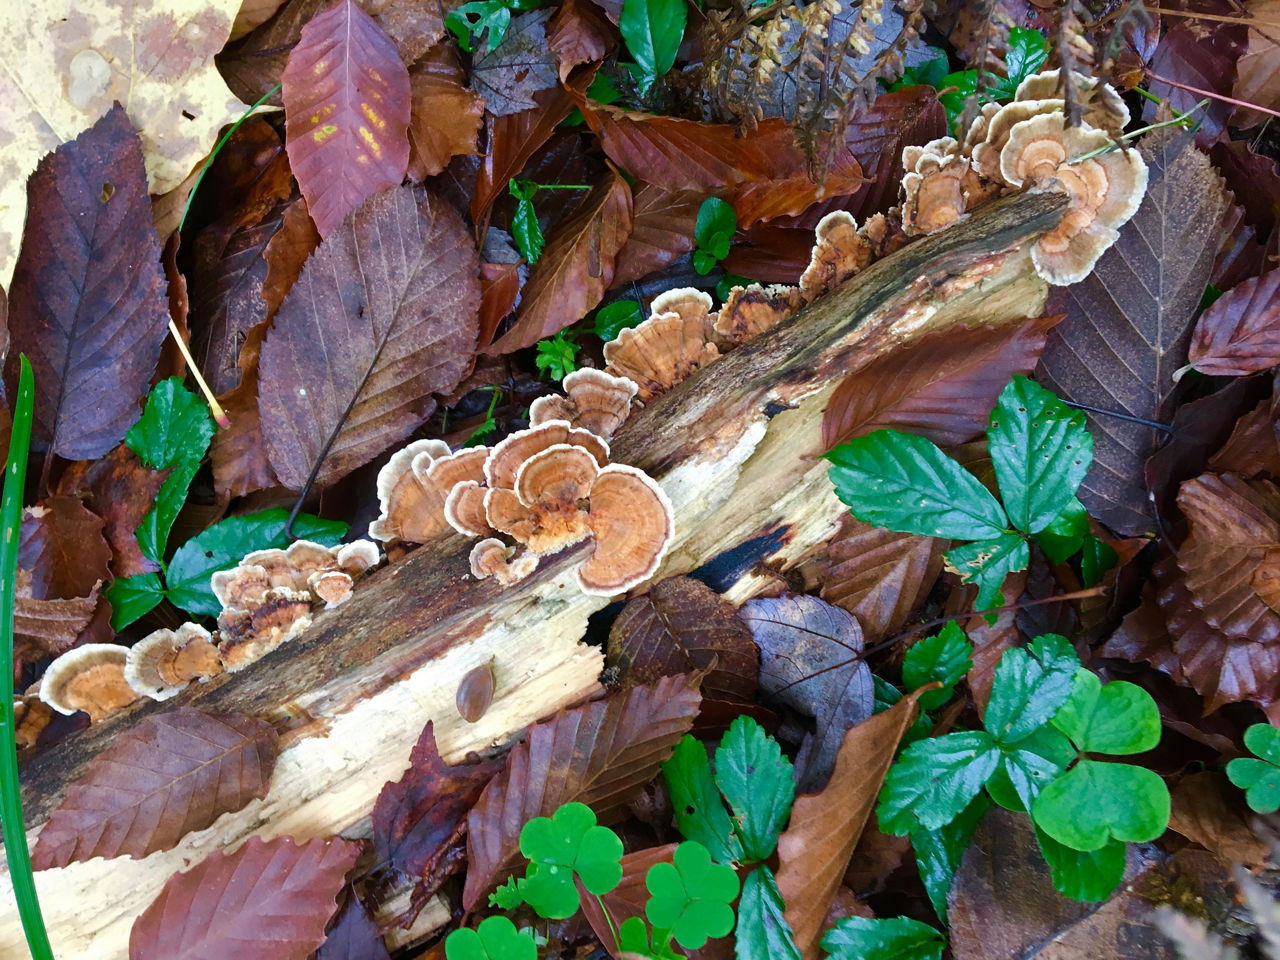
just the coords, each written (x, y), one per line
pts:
(1211, 95)
(15, 833)
(608, 918)
(1153, 424)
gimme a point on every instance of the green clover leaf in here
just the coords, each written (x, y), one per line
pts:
(496, 938)
(633, 937)
(1118, 718)
(567, 843)
(1090, 875)
(1260, 779)
(691, 897)
(1094, 803)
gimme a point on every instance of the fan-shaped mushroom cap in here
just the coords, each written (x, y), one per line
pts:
(275, 564)
(358, 556)
(331, 586)
(1105, 191)
(249, 635)
(929, 157)
(30, 717)
(633, 523)
(977, 131)
(506, 458)
(410, 511)
(986, 155)
(493, 558)
(464, 509)
(547, 511)
(595, 401)
(689, 302)
(444, 473)
(241, 587)
(1106, 109)
(561, 472)
(660, 352)
(88, 678)
(307, 558)
(750, 311)
(839, 252)
(162, 663)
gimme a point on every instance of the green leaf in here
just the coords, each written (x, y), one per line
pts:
(1119, 718)
(132, 597)
(566, 844)
(945, 657)
(987, 563)
(222, 545)
(762, 932)
(1095, 802)
(905, 483)
(691, 897)
(726, 284)
(469, 22)
(960, 86)
(496, 938)
(615, 317)
(716, 223)
(633, 937)
(934, 780)
(1029, 686)
(1064, 536)
(700, 813)
(558, 355)
(1040, 451)
(759, 783)
(1096, 558)
(652, 31)
(1029, 767)
(1260, 779)
(899, 938)
(1026, 54)
(938, 852)
(704, 262)
(526, 232)
(507, 896)
(173, 435)
(1087, 875)
(929, 73)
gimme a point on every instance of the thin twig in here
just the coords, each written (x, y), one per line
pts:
(1151, 74)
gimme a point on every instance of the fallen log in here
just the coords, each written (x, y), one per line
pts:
(738, 450)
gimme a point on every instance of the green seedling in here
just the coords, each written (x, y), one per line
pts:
(652, 31)
(944, 658)
(566, 845)
(558, 356)
(634, 937)
(1040, 451)
(471, 21)
(713, 234)
(1260, 779)
(615, 317)
(691, 896)
(490, 425)
(898, 938)
(496, 938)
(525, 229)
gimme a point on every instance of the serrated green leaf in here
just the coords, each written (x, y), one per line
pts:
(938, 852)
(558, 355)
(945, 657)
(652, 31)
(987, 563)
(496, 938)
(1096, 558)
(959, 86)
(1029, 767)
(1260, 779)
(222, 545)
(934, 780)
(691, 896)
(615, 317)
(1040, 450)
(132, 597)
(1029, 686)
(905, 483)
(1064, 536)
(1025, 54)
(507, 896)
(899, 938)
(759, 783)
(762, 933)
(1085, 875)
(699, 811)
(1118, 718)
(1095, 802)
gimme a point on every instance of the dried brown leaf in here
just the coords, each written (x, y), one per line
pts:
(445, 116)
(94, 340)
(416, 27)
(513, 140)
(238, 453)
(1254, 446)
(172, 773)
(1207, 810)
(121, 489)
(285, 253)
(662, 229)
(941, 387)
(48, 627)
(629, 897)
(499, 288)
(579, 34)
(521, 66)
(1129, 321)
(253, 14)
(383, 316)
(575, 269)
(879, 576)
(814, 850)
(1240, 333)
(353, 935)
(599, 755)
(990, 640)
(1203, 56)
(63, 547)
(680, 626)
(269, 900)
(346, 98)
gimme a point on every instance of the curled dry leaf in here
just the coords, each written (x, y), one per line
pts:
(578, 34)
(120, 489)
(61, 544)
(353, 935)
(171, 773)
(396, 294)
(48, 627)
(269, 900)
(814, 850)
(1240, 333)
(1207, 810)
(93, 343)
(679, 626)
(662, 229)
(346, 98)
(445, 116)
(597, 754)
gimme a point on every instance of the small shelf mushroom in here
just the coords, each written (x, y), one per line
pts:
(633, 523)
(507, 565)
(594, 400)
(661, 352)
(839, 252)
(751, 310)
(246, 635)
(547, 509)
(413, 487)
(162, 663)
(89, 678)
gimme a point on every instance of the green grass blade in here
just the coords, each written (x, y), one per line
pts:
(15, 834)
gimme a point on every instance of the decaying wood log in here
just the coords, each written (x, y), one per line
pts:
(737, 448)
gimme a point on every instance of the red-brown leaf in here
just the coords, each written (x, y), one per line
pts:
(679, 626)
(269, 900)
(285, 253)
(238, 453)
(1240, 333)
(383, 316)
(880, 576)
(346, 99)
(941, 387)
(575, 269)
(415, 816)
(48, 627)
(662, 230)
(499, 288)
(599, 755)
(1254, 446)
(579, 34)
(353, 935)
(445, 117)
(629, 897)
(120, 489)
(63, 547)
(170, 774)
(990, 640)
(87, 303)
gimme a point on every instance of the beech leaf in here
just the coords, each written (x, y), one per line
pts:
(445, 117)
(346, 100)
(269, 900)
(87, 304)
(61, 544)
(51, 626)
(1240, 333)
(120, 490)
(384, 315)
(522, 65)
(172, 773)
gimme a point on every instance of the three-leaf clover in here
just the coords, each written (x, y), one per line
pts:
(713, 233)
(633, 937)
(1260, 779)
(496, 938)
(691, 897)
(566, 844)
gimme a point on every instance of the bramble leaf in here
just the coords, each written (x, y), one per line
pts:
(1065, 534)
(1095, 802)
(987, 563)
(691, 897)
(762, 933)
(945, 658)
(1096, 558)
(1118, 718)
(898, 938)
(934, 780)
(1029, 687)
(938, 852)
(759, 783)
